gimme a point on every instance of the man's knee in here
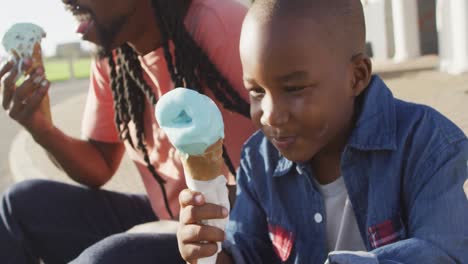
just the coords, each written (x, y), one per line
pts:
(132, 248)
(21, 195)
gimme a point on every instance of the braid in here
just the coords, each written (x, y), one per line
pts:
(188, 66)
(120, 104)
(115, 87)
(136, 87)
(188, 53)
(133, 68)
(166, 47)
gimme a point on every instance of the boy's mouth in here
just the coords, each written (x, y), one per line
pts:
(283, 142)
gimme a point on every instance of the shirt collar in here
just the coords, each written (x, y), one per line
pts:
(374, 130)
(283, 167)
(376, 125)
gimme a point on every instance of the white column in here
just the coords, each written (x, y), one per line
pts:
(379, 33)
(444, 34)
(459, 27)
(406, 29)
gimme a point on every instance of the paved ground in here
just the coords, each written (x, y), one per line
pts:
(419, 81)
(59, 92)
(416, 80)
(28, 160)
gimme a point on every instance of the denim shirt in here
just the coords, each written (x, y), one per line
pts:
(404, 166)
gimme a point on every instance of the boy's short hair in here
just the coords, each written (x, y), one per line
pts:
(343, 20)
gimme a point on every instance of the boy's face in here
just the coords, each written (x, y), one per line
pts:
(102, 21)
(300, 86)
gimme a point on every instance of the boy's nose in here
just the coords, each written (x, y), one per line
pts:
(274, 113)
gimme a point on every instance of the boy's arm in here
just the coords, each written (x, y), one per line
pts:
(437, 215)
(247, 238)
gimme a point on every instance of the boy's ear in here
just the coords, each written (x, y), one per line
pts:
(362, 73)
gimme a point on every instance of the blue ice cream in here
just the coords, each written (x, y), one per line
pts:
(191, 120)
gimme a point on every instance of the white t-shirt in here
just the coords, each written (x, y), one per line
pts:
(342, 229)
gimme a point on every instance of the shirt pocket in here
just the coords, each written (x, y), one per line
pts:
(386, 232)
(281, 238)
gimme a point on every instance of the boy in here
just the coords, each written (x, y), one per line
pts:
(341, 171)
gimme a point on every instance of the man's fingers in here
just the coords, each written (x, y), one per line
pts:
(8, 84)
(31, 84)
(6, 68)
(194, 214)
(34, 101)
(26, 64)
(188, 197)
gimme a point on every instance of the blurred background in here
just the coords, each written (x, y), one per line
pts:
(419, 48)
(406, 29)
(397, 30)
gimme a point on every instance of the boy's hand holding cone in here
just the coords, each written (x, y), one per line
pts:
(194, 125)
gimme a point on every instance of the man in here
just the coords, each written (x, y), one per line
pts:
(147, 47)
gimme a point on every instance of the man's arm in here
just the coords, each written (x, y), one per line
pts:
(88, 162)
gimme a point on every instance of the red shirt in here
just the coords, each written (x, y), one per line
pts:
(215, 25)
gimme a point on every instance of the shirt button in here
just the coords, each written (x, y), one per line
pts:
(318, 218)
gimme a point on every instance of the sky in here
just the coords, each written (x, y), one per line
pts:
(59, 24)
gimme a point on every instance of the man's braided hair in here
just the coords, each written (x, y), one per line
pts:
(188, 67)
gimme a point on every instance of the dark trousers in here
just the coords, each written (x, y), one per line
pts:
(61, 223)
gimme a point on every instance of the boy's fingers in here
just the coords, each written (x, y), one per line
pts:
(188, 197)
(195, 251)
(197, 233)
(194, 214)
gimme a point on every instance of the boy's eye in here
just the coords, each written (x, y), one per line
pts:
(293, 89)
(256, 92)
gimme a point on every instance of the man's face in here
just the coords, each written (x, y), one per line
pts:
(102, 21)
(299, 85)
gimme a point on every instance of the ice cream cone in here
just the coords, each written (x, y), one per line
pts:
(36, 59)
(38, 62)
(207, 166)
(23, 40)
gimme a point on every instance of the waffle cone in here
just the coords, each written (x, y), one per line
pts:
(207, 166)
(36, 59)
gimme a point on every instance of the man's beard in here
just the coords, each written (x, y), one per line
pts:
(106, 37)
